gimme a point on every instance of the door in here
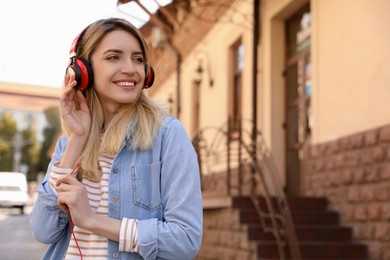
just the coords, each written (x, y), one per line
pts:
(297, 102)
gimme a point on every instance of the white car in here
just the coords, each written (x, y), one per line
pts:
(13, 190)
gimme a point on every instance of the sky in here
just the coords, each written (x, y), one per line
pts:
(36, 35)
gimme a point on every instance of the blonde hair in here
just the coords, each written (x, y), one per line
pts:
(138, 121)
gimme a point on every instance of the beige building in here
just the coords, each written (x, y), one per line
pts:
(320, 98)
(28, 98)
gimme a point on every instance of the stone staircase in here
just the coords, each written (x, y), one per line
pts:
(318, 230)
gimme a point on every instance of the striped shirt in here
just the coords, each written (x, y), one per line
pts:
(91, 245)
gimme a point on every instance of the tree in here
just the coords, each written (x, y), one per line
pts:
(50, 134)
(30, 152)
(8, 129)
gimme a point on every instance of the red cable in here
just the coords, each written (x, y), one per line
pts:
(75, 168)
(70, 218)
(74, 236)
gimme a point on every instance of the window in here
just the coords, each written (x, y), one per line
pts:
(235, 94)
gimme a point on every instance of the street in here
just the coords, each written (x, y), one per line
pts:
(16, 240)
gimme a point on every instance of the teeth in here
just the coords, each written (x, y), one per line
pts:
(128, 84)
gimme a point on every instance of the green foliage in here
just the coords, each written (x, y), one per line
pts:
(50, 134)
(52, 115)
(34, 156)
(30, 152)
(7, 134)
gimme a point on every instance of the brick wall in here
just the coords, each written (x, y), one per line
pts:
(354, 174)
(224, 237)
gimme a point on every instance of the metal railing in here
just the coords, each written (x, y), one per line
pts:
(235, 161)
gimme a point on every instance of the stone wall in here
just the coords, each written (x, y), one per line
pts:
(353, 172)
(224, 237)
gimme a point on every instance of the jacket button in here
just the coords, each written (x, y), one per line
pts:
(115, 255)
(114, 198)
(116, 170)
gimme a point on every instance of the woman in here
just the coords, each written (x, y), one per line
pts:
(137, 192)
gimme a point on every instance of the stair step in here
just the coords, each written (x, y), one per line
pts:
(318, 217)
(294, 203)
(305, 233)
(321, 251)
(317, 229)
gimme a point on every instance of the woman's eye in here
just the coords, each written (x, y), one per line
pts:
(139, 59)
(113, 57)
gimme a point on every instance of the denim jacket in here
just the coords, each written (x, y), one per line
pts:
(160, 187)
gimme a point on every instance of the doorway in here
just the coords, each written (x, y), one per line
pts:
(298, 97)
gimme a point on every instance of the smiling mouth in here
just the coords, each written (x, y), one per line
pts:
(125, 84)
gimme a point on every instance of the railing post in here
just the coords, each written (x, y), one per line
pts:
(240, 157)
(228, 156)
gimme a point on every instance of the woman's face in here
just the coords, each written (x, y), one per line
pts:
(119, 71)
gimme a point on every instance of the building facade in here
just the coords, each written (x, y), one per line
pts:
(312, 76)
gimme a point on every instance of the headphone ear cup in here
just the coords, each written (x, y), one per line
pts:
(149, 76)
(87, 74)
(83, 73)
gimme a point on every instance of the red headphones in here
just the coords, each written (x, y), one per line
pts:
(82, 69)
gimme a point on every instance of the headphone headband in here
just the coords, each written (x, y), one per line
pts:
(75, 43)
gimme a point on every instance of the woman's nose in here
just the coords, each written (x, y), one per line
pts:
(129, 67)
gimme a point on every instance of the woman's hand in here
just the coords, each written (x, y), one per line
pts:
(74, 109)
(72, 196)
